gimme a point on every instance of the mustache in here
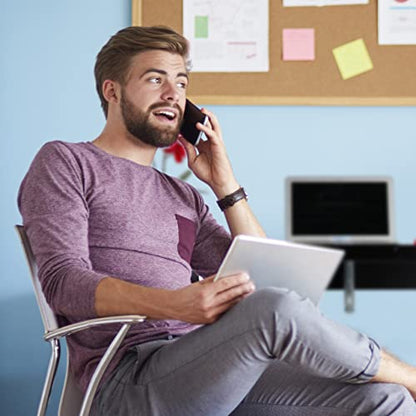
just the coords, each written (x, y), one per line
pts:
(162, 104)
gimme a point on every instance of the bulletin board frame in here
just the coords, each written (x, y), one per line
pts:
(303, 83)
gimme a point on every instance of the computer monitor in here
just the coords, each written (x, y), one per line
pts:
(340, 210)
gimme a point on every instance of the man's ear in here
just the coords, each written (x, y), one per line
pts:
(111, 91)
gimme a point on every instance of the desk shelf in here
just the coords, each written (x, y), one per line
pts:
(379, 274)
(381, 266)
(375, 267)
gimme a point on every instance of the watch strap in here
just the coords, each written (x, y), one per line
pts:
(229, 200)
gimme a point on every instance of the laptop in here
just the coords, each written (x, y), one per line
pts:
(340, 210)
(305, 269)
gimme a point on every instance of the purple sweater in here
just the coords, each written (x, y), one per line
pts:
(89, 215)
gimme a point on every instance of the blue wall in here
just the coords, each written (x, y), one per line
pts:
(46, 67)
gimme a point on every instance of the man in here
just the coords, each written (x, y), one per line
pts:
(112, 235)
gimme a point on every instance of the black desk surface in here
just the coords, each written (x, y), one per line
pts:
(381, 266)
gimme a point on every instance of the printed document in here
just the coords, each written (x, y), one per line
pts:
(320, 3)
(397, 22)
(227, 36)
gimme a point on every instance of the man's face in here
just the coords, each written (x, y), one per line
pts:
(153, 99)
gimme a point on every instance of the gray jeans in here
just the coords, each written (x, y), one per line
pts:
(273, 353)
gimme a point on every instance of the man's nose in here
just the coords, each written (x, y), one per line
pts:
(170, 92)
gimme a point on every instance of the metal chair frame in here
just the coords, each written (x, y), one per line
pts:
(73, 402)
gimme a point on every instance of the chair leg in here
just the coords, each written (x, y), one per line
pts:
(100, 369)
(50, 376)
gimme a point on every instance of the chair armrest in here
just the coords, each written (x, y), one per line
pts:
(89, 323)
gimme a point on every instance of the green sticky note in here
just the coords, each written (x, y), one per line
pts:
(201, 27)
(352, 59)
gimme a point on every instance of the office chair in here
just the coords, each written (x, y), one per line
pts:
(73, 401)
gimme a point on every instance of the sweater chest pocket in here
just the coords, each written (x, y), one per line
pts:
(186, 237)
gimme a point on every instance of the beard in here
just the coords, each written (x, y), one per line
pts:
(138, 123)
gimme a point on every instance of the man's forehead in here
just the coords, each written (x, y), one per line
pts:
(158, 59)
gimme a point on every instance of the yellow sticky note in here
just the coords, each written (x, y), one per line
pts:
(352, 59)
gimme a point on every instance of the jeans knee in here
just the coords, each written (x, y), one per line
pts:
(403, 400)
(391, 399)
(280, 302)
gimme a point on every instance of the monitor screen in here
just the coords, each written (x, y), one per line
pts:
(339, 209)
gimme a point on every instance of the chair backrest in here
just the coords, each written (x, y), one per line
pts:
(72, 396)
(48, 317)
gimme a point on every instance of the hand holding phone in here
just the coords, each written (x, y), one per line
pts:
(192, 115)
(209, 161)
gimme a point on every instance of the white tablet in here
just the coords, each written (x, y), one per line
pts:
(303, 268)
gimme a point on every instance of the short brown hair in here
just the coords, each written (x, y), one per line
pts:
(113, 60)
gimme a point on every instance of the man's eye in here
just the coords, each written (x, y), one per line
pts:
(155, 80)
(182, 85)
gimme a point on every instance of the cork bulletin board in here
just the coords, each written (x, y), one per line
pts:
(318, 82)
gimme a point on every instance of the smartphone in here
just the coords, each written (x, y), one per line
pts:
(191, 116)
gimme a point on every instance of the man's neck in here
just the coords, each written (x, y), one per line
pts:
(125, 146)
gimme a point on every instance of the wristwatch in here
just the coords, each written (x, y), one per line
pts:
(229, 200)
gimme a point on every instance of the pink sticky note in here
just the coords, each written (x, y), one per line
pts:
(298, 44)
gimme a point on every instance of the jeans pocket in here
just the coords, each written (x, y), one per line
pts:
(143, 353)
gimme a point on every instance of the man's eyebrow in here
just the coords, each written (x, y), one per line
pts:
(162, 72)
(182, 74)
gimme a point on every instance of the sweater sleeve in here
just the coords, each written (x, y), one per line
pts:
(53, 205)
